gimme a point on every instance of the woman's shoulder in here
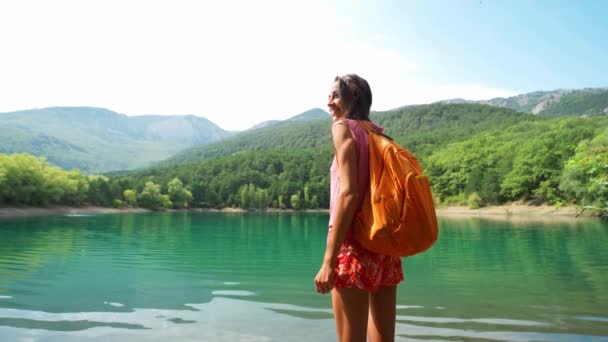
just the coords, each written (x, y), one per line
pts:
(350, 123)
(356, 127)
(341, 121)
(360, 125)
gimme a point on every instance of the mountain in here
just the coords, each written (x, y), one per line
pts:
(416, 127)
(310, 129)
(264, 124)
(309, 115)
(471, 153)
(99, 140)
(575, 102)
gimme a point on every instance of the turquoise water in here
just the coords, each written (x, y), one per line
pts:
(192, 276)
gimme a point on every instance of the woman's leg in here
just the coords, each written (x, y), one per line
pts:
(351, 308)
(382, 313)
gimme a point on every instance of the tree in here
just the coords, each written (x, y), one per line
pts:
(131, 197)
(198, 189)
(76, 188)
(166, 201)
(116, 203)
(178, 194)
(295, 201)
(262, 199)
(99, 191)
(307, 198)
(585, 177)
(251, 196)
(245, 201)
(25, 180)
(150, 196)
(3, 178)
(212, 199)
(314, 203)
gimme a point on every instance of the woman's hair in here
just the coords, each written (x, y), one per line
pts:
(356, 95)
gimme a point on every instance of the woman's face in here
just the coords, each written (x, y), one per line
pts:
(337, 109)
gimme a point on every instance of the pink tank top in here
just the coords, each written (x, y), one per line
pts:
(360, 136)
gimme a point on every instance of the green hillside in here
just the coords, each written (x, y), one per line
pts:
(425, 128)
(421, 128)
(473, 154)
(99, 140)
(524, 161)
(309, 115)
(312, 114)
(292, 134)
(580, 103)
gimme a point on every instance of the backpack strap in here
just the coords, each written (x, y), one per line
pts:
(368, 127)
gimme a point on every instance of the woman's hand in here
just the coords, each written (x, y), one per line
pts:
(324, 281)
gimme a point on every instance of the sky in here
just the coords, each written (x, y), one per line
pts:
(238, 63)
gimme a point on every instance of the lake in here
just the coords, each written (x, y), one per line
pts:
(207, 276)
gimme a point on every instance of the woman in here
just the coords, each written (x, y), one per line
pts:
(363, 284)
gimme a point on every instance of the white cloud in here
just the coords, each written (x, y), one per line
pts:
(236, 63)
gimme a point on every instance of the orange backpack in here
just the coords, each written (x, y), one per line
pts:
(397, 216)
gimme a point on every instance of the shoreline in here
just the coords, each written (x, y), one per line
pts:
(25, 211)
(517, 213)
(507, 211)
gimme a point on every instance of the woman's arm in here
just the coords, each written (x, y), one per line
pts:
(346, 203)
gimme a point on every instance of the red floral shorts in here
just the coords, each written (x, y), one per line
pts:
(360, 268)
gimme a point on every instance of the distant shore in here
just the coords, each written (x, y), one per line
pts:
(63, 210)
(516, 212)
(497, 212)
(508, 210)
(88, 210)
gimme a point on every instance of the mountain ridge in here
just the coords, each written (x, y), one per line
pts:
(409, 125)
(580, 102)
(311, 114)
(95, 139)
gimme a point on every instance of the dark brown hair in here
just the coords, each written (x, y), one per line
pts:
(355, 93)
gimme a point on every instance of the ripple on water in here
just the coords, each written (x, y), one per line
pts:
(222, 319)
(232, 293)
(119, 305)
(497, 321)
(592, 318)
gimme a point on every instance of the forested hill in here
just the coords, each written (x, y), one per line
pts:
(425, 128)
(309, 115)
(474, 154)
(417, 127)
(98, 140)
(310, 129)
(574, 102)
